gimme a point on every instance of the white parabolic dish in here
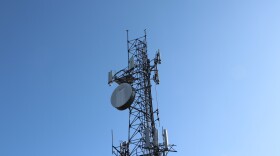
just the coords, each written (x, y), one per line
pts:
(123, 96)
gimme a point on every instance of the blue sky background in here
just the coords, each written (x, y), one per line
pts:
(220, 81)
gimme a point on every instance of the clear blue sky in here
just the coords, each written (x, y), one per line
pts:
(220, 74)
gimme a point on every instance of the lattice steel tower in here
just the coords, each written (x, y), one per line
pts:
(134, 93)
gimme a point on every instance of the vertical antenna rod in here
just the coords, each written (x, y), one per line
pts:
(127, 42)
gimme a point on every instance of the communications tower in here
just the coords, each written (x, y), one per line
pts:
(134, 93)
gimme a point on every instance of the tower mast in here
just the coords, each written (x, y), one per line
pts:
(142, 128)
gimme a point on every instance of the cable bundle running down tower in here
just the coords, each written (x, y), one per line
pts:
(134, 94)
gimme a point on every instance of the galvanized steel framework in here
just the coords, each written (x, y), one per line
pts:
(142, 134)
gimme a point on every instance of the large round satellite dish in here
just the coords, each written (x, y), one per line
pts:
(123, 96)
